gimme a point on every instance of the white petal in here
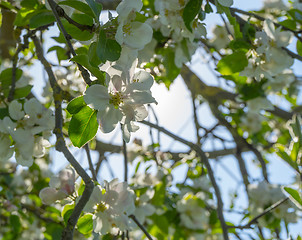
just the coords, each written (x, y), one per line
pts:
(97, 97)
(142, 81)
(141, 98)
(140, 34)
(15, 110)
(108, 118)
(32, 107)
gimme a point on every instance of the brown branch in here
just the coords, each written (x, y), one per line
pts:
(215, 97)
(91, 167)
(61, 145)
(141, 227)
(82, 27)
(251, 14)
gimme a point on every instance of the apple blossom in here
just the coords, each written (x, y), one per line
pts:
(59, 187)
(111, 207)
(192, 212)
(123, 101)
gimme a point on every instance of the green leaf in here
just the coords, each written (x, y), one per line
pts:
(3, 113)
(80, 6)
(289, 23)
(60, 51)
(15, 223)
(67, 211)
(208, 8)
(76, 105)
(161, 222)
(85, 224)
(42, 18)
(284, 156)
(240, 44)
(107, 49)
(83, 126)
(233, 21)
(96, 8)
(29, 3)
(92, 55)
(84, 61)
(160, 194)
(190, 12)
(53, 231)
(75, 32)
(172, 71)
(6, 77)
(299, 47)
(23, 16)
(295, 196)
(22, 92)
(233, 63)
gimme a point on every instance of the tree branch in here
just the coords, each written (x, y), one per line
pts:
(67, 37)
(254, 220)
(205, 160)
(61, 146)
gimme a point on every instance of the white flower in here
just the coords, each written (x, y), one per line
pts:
(126, 7)
(15, 110)
(252, 121)
(122, 101)
(111, 206)
(256, 104)
(192, 212)
(276, 60)
(221, 37)
(39, 146)
(24, 149)
(59, 187)
(40, 118)
(129, 32)
(282, 39)
(134, 34)
(143, 208)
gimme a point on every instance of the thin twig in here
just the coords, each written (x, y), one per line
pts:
(255, 219)
(205, 160)
(14, 71)
(91, 168)
(82, 27)
(67, 37)
(196, 122)
(141, 227)
(251, 14)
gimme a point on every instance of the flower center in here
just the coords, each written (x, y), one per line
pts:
(127, 29)
(101, 207)
(116, 99)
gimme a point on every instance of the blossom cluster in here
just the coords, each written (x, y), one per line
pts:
(262, 195)
(25, 131)
(271, 63)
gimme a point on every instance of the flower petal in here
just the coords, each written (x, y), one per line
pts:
(97, 97)
(108, 118)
